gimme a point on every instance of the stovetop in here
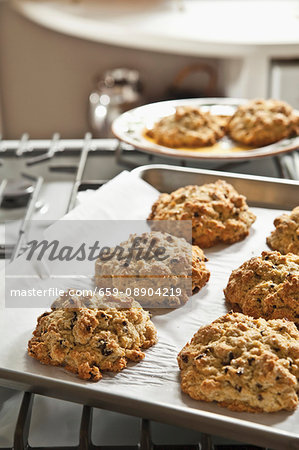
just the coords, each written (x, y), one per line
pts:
(51, 175)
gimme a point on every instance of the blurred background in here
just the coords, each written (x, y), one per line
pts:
(54, 54)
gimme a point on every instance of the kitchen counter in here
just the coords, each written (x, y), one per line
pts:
(245, 34)
(199, 27)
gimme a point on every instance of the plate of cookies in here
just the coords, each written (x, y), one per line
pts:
(211, 128)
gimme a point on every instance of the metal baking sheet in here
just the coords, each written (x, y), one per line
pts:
(151, 388)
(274, 193)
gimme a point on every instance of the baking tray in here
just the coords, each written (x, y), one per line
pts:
(151, 389)
(265, 192)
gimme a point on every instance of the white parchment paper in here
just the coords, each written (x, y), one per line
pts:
(156, 378)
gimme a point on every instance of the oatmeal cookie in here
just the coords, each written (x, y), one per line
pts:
(266, 286)
(166, 281)
(217, 211)
(262, 122)
(188, 127)
(243, 364)
(285, 237)
(88, 341)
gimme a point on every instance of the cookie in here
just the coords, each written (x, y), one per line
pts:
(243, 364)
(188, 127)
(266, 286)
(285, 237)
(218, 212)
(262, 122)
(155, 282)
(88, 341)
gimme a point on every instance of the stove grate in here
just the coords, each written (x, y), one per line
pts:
(21, 435)
(46, 150)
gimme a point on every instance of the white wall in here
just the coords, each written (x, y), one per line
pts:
(45, 77)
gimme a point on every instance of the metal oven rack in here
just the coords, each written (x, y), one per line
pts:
(85, 442)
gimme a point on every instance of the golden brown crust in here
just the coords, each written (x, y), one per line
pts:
(266, 286)
(285, 237)
(88, 341)
(188, 127)
(243, 364)
(263, 122)
(184, 269)
(218, 213)
(200, 274)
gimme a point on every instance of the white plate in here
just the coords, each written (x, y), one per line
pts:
(131, 126)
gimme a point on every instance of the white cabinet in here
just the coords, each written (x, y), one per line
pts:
(284, 82)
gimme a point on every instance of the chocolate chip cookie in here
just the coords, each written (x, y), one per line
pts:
(88, 341)
(243, 364)
(262, 122)
(156, 268)
(266, 286)
(217, 211)
(188, 127)
(285, 237)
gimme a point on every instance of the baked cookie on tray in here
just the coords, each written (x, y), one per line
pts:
(168, 281)
(217, 211)
(266, 286)
(285, 237)
(89, 340)
(262, 122)
(188, 127)
(243, 364)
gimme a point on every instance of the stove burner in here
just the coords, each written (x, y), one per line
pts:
(16, 194)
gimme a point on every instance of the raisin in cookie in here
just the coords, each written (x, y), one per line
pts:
(285, 237)
(266, 286)
(155, 280)
(188, 127)
(217, 211)
(243, 364)
(87, 341)
(262, 122)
